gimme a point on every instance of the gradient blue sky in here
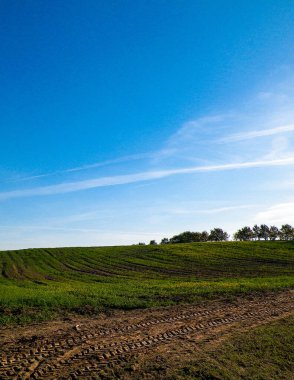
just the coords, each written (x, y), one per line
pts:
(124, 121)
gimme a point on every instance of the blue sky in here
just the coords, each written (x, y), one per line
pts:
(124, 121)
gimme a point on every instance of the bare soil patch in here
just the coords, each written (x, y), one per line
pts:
(83, 347)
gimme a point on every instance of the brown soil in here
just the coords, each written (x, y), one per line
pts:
(86, 347)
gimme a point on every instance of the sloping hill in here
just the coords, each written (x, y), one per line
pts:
(40, 283)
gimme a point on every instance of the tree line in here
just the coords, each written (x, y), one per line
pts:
(264, 232)
(261, 232)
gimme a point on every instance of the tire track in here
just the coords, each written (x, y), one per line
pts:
(59, 347)
(120, 351)
(145, 324)
(77, 356)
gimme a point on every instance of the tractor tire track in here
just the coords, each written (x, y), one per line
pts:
(74, 356)
(95, 357)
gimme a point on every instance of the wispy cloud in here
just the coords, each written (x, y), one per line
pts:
(278, 213)
(196, 140)
(196, 208)
(220, 210)
(133, 157)
(258, 133)
(194, 129)
(284, 184)
(138, 177)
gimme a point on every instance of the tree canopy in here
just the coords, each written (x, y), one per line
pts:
(246, 233)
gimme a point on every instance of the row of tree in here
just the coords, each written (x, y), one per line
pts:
(262, 232)
(216, 234)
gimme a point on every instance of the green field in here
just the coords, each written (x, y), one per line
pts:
(38, 284)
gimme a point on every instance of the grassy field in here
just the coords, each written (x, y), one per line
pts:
(38, 284)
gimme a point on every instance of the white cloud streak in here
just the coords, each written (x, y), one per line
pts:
(134, 157)
(138, 177)
(258, 133)
(279, 213)
(193, 129)
(192, 210)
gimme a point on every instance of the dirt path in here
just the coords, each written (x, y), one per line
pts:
(82, 348)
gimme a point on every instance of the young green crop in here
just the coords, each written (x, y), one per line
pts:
(38, 284)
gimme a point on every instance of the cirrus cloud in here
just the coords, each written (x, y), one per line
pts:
(139, 177)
